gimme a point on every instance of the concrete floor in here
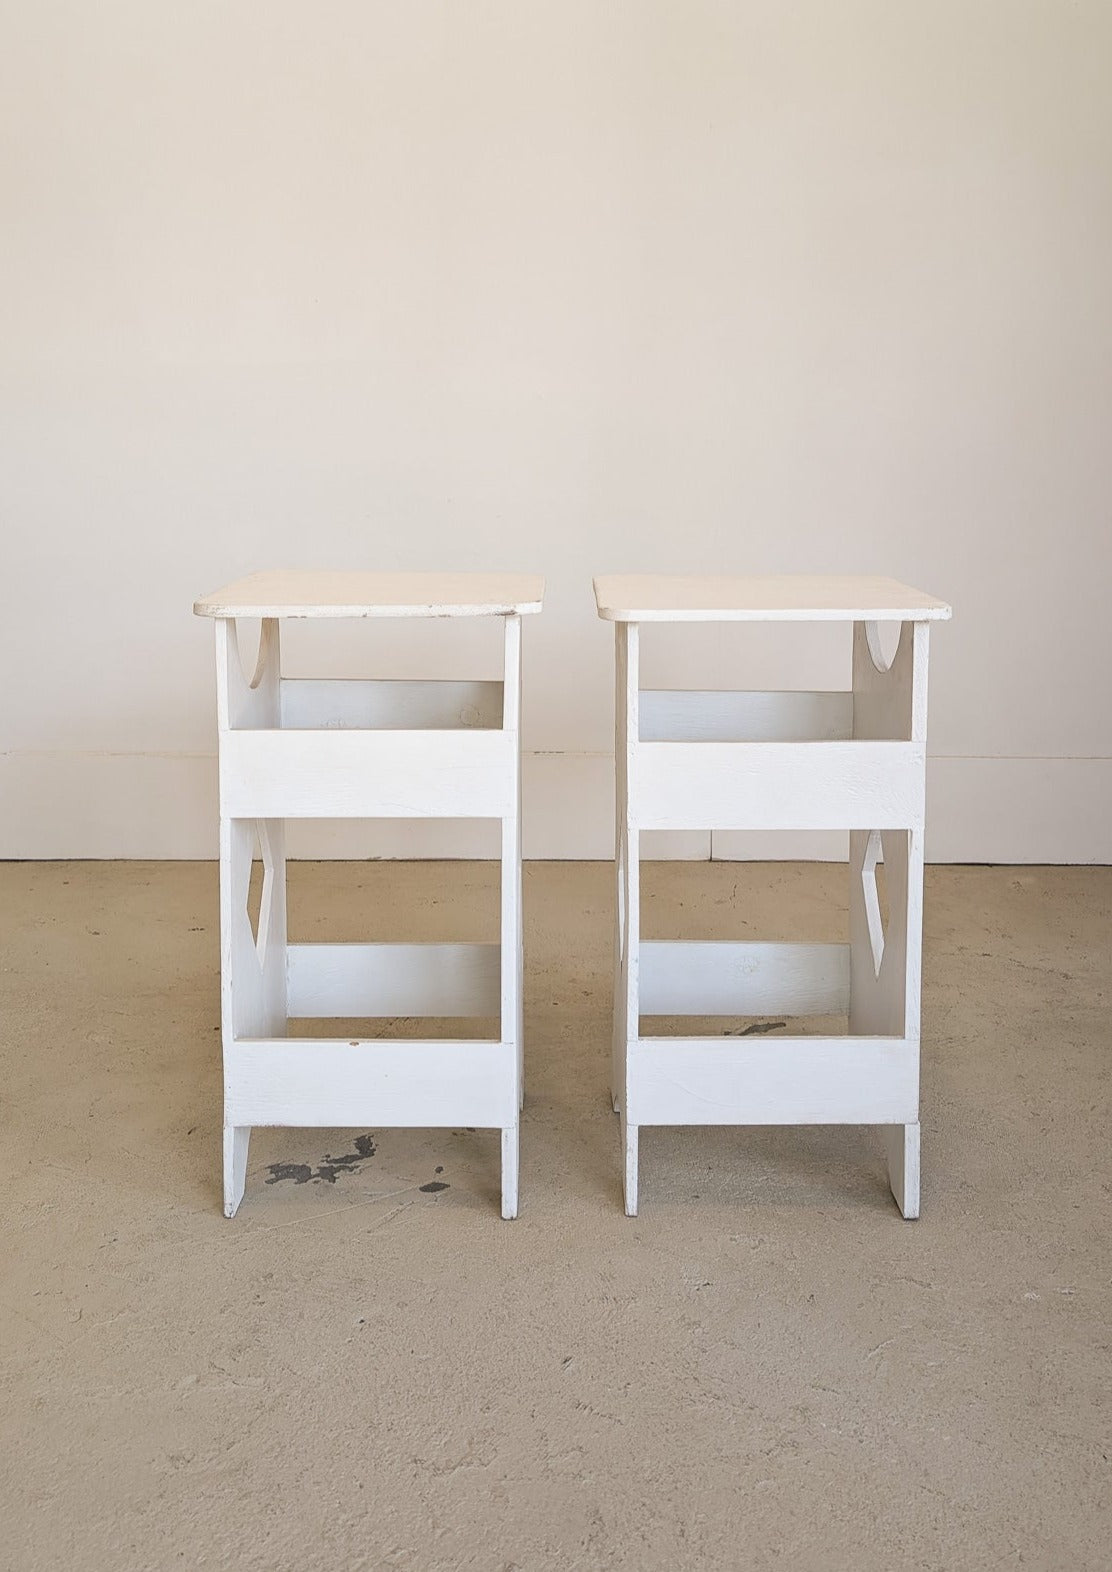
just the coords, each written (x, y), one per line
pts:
(767, 1368)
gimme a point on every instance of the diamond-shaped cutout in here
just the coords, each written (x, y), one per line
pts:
(876, 896)
(260, 890)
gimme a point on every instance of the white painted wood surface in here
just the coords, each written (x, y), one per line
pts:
(776, 785)
(772, 1080)
(627, 1009)
(297, 593)
(378, 705)
(649, 597)
(727, 760)
(368, 774)
(328, 1082)
(901, 1143)
(302, 749)
(685, 715)
(367, 980)
(714, 977)
(512, 930)
(252, 972)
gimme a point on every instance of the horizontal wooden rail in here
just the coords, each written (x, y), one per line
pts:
(368, 774)
(392, 979)
(773, 1080)
(684, 715)
(776, 785)
(428, 1085)
(379, 705)
(680, 977)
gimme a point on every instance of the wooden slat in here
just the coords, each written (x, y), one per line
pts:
(793, 1080)
(777, 785)
(428, 1085)
(682, 715)
(357, 774)
(717, 978)
(392, 979)
(379, 704)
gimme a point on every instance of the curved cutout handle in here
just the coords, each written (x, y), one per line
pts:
(268, 634)
(875, 643)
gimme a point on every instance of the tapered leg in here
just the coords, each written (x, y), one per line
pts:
(510, 1146)
(902, 1144)
(236, 1140)
(629, 1152)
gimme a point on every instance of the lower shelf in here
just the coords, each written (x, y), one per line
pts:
(788, 1080)
(325, 1082)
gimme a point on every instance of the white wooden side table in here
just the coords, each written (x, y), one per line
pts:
(851, 760)
(304, 748)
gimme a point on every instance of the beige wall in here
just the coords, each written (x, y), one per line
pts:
(561, 287)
